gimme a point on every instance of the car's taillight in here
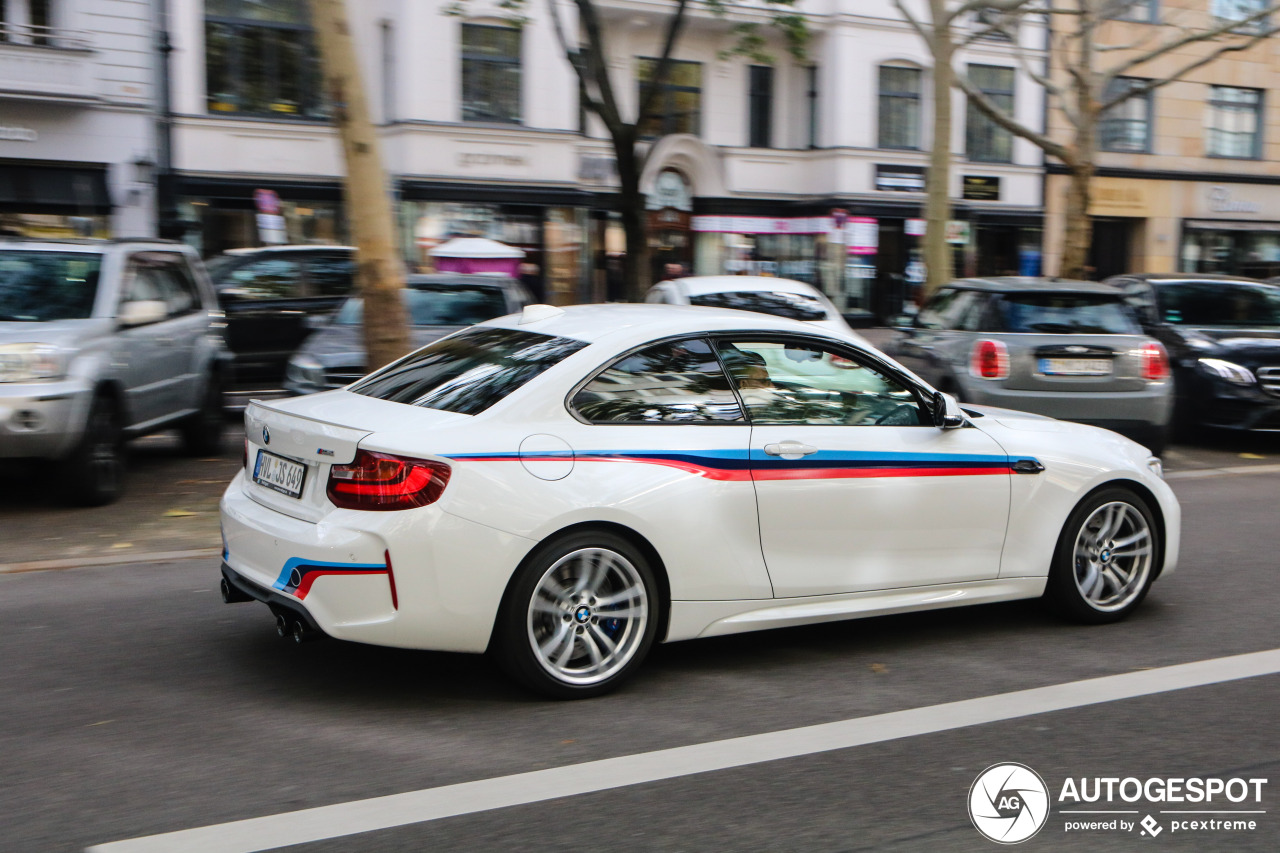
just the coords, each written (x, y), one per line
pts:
(1155, 363)
(381, 481)
(990, 360)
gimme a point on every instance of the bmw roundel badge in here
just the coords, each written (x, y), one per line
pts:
(266, 435)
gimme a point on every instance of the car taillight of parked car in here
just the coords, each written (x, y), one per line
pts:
(990, 360)
(1155, 363)
(380, 481)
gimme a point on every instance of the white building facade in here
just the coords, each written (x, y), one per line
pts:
(808, 168)
(78, 143)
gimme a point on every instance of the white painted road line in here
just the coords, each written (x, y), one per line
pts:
(335, 821)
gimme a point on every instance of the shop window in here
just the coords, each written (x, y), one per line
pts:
(678, 105)
(1235, 122)
(900, 107)
(986, 141)
(491, 73)
(1127, 125)
(261, 59)
(760, 107)
(1142, 11)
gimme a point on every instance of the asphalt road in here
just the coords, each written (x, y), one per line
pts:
(136, 703)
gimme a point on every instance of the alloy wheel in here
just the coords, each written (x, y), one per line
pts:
(1113, 556)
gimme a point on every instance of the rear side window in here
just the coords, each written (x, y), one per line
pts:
(1065, 314)
(952, 309)
(467, 372)
(797, 306)
(331, 275)
(40, 286)
(1219, 304)
(438, 306)
(673, 382)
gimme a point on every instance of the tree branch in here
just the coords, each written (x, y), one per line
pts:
(1198, 36)
(649, 92)
(1009, 123)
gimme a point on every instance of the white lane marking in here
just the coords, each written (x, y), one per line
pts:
(335, 821)
(1222, 472)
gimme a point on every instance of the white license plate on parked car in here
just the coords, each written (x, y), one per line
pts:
(1075, 366)
(276, 472)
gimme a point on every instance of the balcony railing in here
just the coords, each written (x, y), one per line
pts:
(45, 63)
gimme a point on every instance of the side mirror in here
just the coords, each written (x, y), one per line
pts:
(142, 312)
(946, 411)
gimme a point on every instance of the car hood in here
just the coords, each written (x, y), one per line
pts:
(1248, 347)
(343, 345)
(63, 333)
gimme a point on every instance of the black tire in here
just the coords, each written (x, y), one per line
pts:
(530, 637)
(202, 432)
(94, 470)
(1086, 565)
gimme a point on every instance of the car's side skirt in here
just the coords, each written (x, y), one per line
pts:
(692, 619)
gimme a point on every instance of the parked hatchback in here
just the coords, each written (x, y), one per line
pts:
(269, 294)
(437, 305)
(103, 341)
(1071, 350)
(1223, 337)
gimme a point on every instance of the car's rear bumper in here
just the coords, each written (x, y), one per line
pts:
(41, 420)
(1122, 411)
(448, 574)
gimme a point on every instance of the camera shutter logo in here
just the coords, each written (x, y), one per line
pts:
(1008, 803)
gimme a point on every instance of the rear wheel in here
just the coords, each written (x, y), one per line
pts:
(580, 618)
(1106, 557)
(94, 471)
(202, 432)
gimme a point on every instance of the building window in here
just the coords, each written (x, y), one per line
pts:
(31, 22)
(678, 105)
(900, 107)
(1235, 122)
(812, 95)
(1142, 11)
(992, 23)
(1127, 125)
(1238, 10)
(490, 73)
(984, 140)
(760, 107)
(261, 59)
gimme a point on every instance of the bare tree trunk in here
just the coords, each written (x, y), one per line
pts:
(636, 274)
(1078, 235)
(937, 252)
(380, 271)
(1079, 227)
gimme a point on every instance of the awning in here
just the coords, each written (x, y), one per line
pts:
(67, 190)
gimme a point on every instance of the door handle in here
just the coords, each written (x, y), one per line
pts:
(789, 449)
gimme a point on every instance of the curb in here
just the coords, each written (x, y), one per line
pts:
(114, 560)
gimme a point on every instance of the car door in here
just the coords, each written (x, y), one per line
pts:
(144, 352)
(857, 489)
(663, 421)
(186, 324)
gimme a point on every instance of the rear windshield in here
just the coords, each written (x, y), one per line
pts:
(467, 372)
(1216, 303)
(444, 305)
(39, 286)
(1066, 314)
(797, 306)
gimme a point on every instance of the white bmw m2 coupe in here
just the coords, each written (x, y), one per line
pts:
(564, 487)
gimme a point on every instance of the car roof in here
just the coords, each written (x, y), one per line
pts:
(1189, 278)
(87, 244)
(461, 278)
(699, 284)
(306, 247)
(1026, 283)
(626, 324)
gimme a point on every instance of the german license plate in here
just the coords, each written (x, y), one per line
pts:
(1075, 366)
(283, 475)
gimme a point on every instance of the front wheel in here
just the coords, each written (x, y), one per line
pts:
(1106, 557)
(95, 468)
(580, 618)
(202, 431)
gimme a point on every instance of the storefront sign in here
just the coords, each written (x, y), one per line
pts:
(958, 231)
(17, 134)
(481, 159)
(762, 225)
(900, 179)
(670, 189)
(862, 233)
(1221, 200)
(596, 167)
(916, 227)
(271, 227)
(981, 188)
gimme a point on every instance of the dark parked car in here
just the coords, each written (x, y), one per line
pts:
(438, 305)
(1223, 337)
(268, 295)
(1071, 350)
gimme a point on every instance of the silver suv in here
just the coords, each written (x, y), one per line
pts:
(101, 341)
